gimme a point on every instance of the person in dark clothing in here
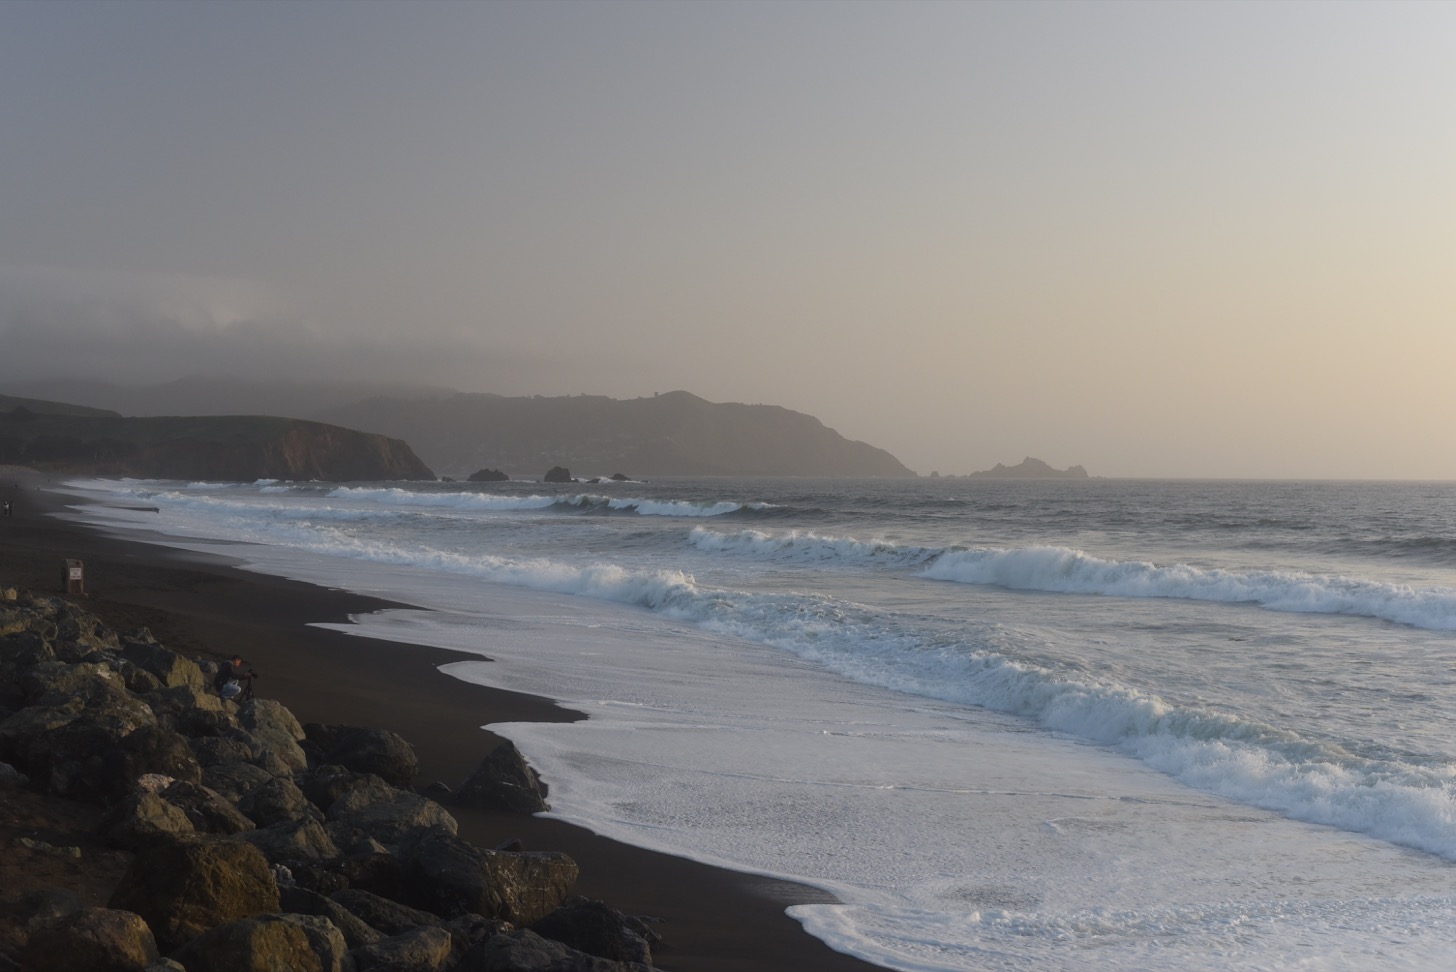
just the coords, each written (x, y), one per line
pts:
(234, 679)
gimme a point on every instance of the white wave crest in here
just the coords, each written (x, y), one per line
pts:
(805, 546)
(1065, 571)
(467, 501)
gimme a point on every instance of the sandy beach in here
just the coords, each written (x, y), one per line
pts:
(709, 918)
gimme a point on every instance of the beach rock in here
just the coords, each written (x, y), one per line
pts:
(149, 749)
(293, 841)
(303, 901)
(91, 940)
(142, 818)
(11, 778)
(276, 728)
(428, 949)
(209, 812)
(170, 669)
(528, 885)
(521, 950)
(325, 784)
(365, 750)
(381, 913)
(504, 781)
(446, 875)
(267, 943)
(182, 888)
(387, 813)
(598, 929)
(275, 801)
(233, 779)
(69, 759)
(54, 683)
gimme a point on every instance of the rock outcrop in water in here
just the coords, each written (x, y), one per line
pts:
(1029, 468)
(256, 843)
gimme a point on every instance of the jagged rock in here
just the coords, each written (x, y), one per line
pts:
(209, 812)
(387, 813)
(142, 818)
(355, 930)
(219, 751)
(366, 750)
(184, 887)
(233, 779)
(276, 801)
(598, 929)
(557, 474)
(276, 728)
(170, 669)
(91, 940)
(54, 683)
(426, 949)
(446, 875)
(381, 913)
(293, 841)
(267, 943)
(488, 476)
(69, 760)
(149, 749)
(521, 950)
(325, 784)
(504, 781)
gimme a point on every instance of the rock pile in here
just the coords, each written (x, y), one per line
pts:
(263, 844)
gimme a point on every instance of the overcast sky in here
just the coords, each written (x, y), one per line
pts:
(1174, 239)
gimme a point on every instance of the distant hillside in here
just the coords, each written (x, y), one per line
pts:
(239, 448)
(674, 434)
(1029, 468)
(38, 406)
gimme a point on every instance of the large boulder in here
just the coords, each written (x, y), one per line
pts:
(381, 913)
(293, 842)
(446, 875)
(276, 801)
(529, 884)
(597, 928)
(365, 750)
(355, 930)
(91, 940)
(267, 943)
(149, 749)
(504, 781)
(209, 812)
(182, 888)
(141, 818)
(276, 728)
(387, 813)
(234, 779)
(427, 949)
(168, 667)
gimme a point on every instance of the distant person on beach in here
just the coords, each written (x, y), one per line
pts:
(234, 679)
(7, 507)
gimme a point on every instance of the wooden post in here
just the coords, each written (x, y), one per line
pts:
(75, 577)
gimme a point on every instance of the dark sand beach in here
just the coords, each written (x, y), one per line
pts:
(710, 918)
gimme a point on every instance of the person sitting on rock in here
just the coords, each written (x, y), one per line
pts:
(234, 679)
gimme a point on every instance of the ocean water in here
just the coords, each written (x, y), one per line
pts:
(1040, 725)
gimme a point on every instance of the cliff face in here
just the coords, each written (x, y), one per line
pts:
(236, 448)
(675, 434)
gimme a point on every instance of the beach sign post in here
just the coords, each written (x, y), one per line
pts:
(75, 577)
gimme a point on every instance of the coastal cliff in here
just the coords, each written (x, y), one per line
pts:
(213, 447)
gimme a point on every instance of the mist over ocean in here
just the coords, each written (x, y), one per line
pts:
(1113, 724)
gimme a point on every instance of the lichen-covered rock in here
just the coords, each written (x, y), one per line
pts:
(387, 813)
(181, 888)
(277, 730)
(170, 669)
(141, 818)
(504, 781)
(209, 812)
(91, 940)
(149, 749)
(267, 943)
(530, 884)
(381, 913)
(233, 779)
(420, 950)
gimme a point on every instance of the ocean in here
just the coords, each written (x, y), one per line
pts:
(1111, 724)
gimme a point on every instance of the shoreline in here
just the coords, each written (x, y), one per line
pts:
(711, 918)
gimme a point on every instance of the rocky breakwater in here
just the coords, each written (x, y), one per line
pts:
(251, 842)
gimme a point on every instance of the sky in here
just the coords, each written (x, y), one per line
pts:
(1154, 239)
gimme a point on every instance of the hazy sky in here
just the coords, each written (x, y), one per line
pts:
(1173, 239)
